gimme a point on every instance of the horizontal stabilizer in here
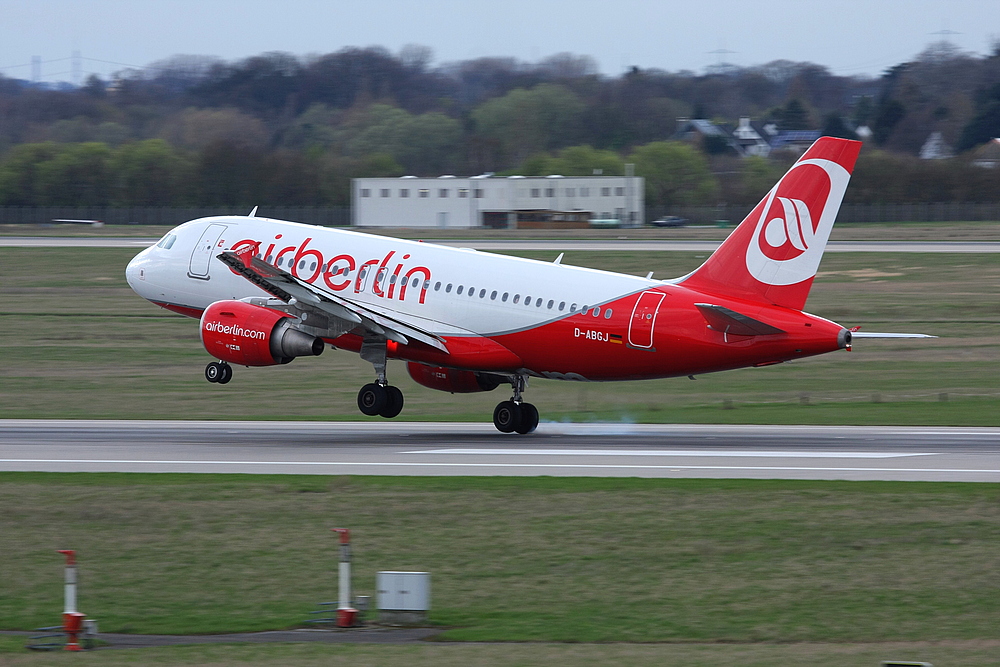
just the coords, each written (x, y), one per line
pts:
(873, 334)
(729, 321)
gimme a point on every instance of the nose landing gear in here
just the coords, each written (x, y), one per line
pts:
(515, 415)
(219, 372)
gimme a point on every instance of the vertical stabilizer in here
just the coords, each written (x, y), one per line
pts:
(772, 256)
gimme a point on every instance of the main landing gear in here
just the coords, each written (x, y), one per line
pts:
(515, 415)
(379, 397)
(219, 371)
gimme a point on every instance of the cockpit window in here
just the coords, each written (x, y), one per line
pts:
(167, 241)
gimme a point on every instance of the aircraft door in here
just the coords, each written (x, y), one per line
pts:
(640, 327)
(204, 251)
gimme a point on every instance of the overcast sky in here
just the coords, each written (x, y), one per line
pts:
(847, 36)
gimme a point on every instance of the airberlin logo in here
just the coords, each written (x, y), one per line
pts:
(795, 223)
(234, 330)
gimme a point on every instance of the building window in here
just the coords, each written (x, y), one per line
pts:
(535, 192)
(605, 192)
(570, 192)
(584, 192)
(443, 193)
(424, 192)
(619, 192)
(550, 192)
(479, 193)
(365, 192)
(384, 192)
(404, 193)
(463, 193)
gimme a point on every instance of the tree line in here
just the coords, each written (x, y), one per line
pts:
(277, 129)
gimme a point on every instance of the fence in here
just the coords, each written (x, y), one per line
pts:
(923, 212)
(330, 216)
(340, 216)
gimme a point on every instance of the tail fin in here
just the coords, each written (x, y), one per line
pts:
(772, 256)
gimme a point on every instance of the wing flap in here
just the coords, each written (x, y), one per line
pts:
(286, 287)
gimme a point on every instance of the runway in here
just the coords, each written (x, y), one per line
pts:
(583, 450)
(555, 245)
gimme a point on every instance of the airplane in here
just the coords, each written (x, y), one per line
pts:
(268, 291)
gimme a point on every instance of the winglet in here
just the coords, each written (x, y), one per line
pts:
(253, 213)
(246, 252)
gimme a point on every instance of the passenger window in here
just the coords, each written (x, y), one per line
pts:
(597, 312)
(437, 286)
(572, 308)
(607, 314)
(427, 284)
(562, 305)
(416, 281)
(550, 303)
(459, 290)
(527, 300)
(447, 289)
(493, 296)
(482, 294)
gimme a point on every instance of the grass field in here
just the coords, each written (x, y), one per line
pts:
(733, 571)
(79, 344)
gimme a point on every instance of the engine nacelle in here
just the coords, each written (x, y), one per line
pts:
(249, 335)
(451, 380)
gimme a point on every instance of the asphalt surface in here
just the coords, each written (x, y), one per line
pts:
(362, 635)
(581, 450)
(555, 246)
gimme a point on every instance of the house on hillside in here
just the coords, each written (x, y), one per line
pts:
(750, 140)
(747, 138)
(987, 155)
(935, 148)
(795, 141)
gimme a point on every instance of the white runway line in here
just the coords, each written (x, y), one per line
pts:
(564, 466)
(736, 453)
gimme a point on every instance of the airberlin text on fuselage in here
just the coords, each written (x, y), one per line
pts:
(336, 273)
(235, 330)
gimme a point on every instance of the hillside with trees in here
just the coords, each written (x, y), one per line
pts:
(283, 130)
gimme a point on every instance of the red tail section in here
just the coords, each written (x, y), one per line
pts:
(772, 256)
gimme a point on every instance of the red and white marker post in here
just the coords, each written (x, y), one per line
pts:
(72, 619)
(346, 614)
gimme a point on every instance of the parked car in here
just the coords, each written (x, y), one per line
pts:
(670, 221)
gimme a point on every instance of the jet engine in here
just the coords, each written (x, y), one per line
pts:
(249, 335)
(451, 380)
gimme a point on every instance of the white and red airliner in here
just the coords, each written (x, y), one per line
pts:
(267, 291)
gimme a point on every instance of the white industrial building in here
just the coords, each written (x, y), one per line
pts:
(499, 202)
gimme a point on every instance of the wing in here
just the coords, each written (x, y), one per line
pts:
(348, 315)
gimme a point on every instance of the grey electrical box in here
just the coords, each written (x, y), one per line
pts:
(403, 597)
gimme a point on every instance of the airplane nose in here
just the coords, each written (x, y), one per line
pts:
(135, 272)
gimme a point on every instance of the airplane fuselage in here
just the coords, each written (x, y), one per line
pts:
(496, 313)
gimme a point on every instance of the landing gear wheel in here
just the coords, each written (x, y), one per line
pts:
(227, 374)
(373, 399)
(395, 403)
(529, 419)
(214, 372)
(507, 416)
